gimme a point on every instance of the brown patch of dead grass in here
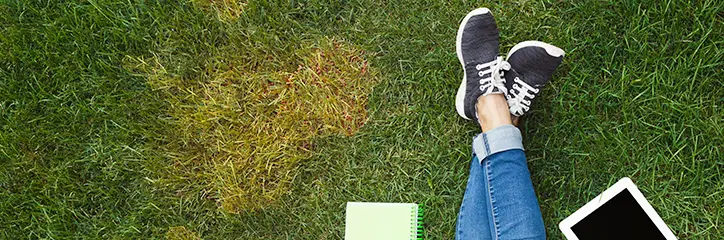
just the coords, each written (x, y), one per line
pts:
(242, 133)
(181, 233)
(225, 10)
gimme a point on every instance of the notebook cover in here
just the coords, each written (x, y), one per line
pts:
(383, 221)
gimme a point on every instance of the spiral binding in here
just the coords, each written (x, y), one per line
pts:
(417, 231)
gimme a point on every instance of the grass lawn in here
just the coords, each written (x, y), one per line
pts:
(92, 148)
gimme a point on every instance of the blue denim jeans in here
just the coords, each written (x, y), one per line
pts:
(499, 201)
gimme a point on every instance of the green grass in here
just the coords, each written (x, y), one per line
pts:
(639, 94)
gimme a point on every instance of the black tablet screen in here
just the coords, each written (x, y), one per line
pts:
(619, 218)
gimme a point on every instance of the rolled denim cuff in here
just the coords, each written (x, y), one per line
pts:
(497, 140)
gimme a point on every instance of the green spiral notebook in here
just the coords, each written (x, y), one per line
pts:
(383, 221)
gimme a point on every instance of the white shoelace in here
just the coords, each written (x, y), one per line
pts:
(517, 102)
(495, 79)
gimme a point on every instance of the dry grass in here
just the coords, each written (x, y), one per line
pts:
(242, 133)
(225, 10)
(181, 233)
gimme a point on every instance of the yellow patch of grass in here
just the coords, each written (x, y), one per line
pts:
(225, 10)
(241, 133)
(181, 233)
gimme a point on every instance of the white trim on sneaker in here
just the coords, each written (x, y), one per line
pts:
(550, 49)
(460, 95)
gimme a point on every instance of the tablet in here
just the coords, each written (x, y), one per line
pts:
(620, 212)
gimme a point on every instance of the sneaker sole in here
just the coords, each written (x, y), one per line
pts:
(460, 96)
(550, 49)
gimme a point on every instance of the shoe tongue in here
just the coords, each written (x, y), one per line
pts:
(536, 79)
(510, 76)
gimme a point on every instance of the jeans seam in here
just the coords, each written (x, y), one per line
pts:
(487, 145)
(460, 217)
(494, 211)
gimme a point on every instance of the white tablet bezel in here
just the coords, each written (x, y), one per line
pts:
(624, 183)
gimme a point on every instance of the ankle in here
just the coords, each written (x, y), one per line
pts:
(492, 112)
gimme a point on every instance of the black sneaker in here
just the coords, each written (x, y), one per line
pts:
(477, 49)
(532, 65)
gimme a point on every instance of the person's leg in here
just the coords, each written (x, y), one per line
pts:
(499, 201)
(515, 213)
(473, 221)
